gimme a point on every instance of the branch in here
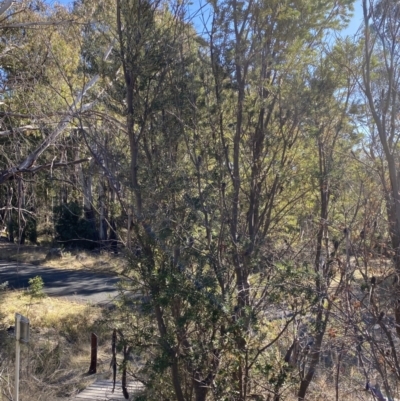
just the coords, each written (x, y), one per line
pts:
(19, 129)
(376, 392)
(76, 108)
(5, 6)
(17, 209)
(35, 169)
(10, 173)
(21, 115)
(34, 24)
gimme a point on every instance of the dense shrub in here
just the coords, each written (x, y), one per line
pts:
(72, 228)
(29, 231)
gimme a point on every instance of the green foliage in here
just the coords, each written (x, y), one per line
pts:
(31, 230)
(35, 289)
(12, 229)
(28, 229)
(72, 228)
(241, 159)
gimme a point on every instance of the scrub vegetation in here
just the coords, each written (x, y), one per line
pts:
(237, 164)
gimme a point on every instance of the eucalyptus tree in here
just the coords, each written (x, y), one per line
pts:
(33, 93)
(43, 93)
(380, 87)
(260, 55)
(212, 126)
(200, 140)
(332, 135)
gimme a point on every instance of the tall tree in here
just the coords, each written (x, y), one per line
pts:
(218, 123)
(33, 63)
(332, 136)
(381, 85)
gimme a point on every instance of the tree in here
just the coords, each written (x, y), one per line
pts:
(329, 99)
(39, 108)
(212, 130)
(380, 87)
(229, 166)
(21, 74)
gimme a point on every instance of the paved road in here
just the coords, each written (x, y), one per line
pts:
(78, 285)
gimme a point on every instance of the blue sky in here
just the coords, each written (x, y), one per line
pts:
(356, 20)
(350, 30)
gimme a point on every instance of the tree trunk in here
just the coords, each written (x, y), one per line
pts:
(113, 224)
(103, 213)
(321, 318)
(88, 210)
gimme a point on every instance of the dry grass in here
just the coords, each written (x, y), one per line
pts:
(323, 389)
(46, 312)
(54, 364)
(77, 260)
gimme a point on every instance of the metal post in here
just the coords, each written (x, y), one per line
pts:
(17, 354)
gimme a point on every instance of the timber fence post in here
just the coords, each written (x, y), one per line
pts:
(93, 354)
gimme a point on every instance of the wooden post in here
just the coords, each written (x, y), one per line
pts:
(124, 389)
(21, 335)
(17, 354)
(114, 357)
(93, 354)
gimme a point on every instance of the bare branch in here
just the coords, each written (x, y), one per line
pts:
(76, 108)
(35, 169)
(5, 6)
(35, 24)
(19, 129)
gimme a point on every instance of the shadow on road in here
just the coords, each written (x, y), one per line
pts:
(97, 288)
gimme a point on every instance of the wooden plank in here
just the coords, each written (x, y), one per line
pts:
(102, 391)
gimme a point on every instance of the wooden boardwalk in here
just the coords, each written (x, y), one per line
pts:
(101, 390)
